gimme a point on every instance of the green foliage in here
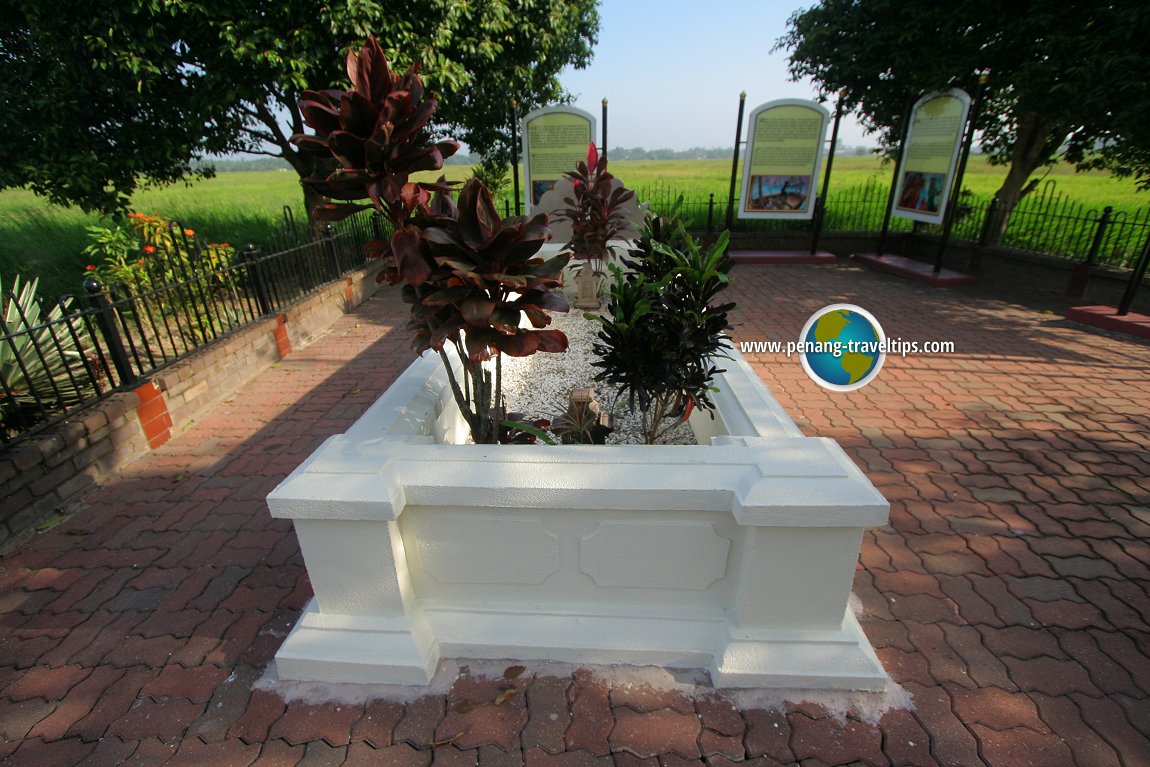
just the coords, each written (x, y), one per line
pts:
(1060, 74)
(136, 91)
(664, 328)
(42, 360)
(495, 174)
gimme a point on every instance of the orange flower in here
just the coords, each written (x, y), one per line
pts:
(149, 249)
(89, 268)
(224, 245)
(189, 232)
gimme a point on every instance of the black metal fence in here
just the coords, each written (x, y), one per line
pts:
(57, 358)
(1045, 221)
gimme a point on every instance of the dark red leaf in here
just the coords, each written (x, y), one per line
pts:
(409, 259)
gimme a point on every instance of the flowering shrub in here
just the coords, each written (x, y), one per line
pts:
(152, 252)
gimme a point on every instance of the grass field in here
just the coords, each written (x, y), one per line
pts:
(38, 239)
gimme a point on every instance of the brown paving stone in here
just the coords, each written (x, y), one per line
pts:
(392, 756)
(49, 683)
(1131, 652)
(303, 722)
(113, 703)
(982, 666)
(196, 683)
(151, 752)
(1106, 673)
(1049, 676)
(1015, 747)
(1065, 720)
(165, 719)
(378, 723)
(768, 735)
(422, 717)
(263, 709)
(591, 717)
(643, 697)
(944, 663)
(16, 719)
(656, 732)
(623, 759)
(493, 756)
(835, 742)
(537, 757)
(1067, 614)
(58, 753)
(276, 753)
(319, 753)
(194, 753)
(228, 703)
(996, 708)
(904, 741)
(1116, 611)
(109, 751)
(1022, 643)
(452, 756)
(951, 741)
(1108, 719)
(548, 714)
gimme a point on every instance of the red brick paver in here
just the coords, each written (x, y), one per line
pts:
(1009, 595)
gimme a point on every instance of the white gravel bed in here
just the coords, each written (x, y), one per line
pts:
(539, 386)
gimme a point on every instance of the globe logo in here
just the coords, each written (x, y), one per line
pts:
(842, 347)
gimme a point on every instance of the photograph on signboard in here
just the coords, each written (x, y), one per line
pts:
(921, 191)
(778, 192)
(540, 187)
(929, 156)
(781, 164)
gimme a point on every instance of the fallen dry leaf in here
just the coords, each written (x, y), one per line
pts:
(463, 706)
(513, 671)
(506, 695)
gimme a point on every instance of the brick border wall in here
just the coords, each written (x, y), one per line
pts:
(46, 472)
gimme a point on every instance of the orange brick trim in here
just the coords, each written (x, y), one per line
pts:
(283, 342)
(153, 414)
(349, 294)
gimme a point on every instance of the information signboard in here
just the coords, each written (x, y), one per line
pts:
(781, 164)
(555, 140)
(929, 156)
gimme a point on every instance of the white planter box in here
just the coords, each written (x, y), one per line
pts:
(736, 556)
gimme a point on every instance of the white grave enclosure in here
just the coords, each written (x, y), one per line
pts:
(736, 555)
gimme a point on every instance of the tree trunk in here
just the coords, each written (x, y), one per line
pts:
(1034, 145)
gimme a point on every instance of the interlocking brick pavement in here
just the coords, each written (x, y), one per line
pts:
(1009, 595)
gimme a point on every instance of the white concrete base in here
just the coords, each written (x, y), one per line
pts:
(736, 555)
(366, 650)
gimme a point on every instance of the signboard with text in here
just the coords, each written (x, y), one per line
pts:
(781, 164)
(929, 155)
(555, 140)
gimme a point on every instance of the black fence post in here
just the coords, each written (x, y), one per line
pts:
(250, 257)
(106, 322)
(327, 233)
(735, 161)
(710, 212)
(1080, 277)
(1135, 281)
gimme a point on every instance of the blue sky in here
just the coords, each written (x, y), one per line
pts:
(672, 71)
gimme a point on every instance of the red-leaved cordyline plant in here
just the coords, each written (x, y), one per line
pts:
(377, 132)
(487, 278)
(469, 275)
(596, 213)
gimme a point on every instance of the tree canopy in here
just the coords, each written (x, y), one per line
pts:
(133, 92)
(1065, 80)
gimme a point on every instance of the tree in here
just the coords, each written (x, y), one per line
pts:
(132, 92)
(1065, 79)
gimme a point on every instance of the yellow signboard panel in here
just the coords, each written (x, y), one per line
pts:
(555, 139)
(781, 165)
(929, 156)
